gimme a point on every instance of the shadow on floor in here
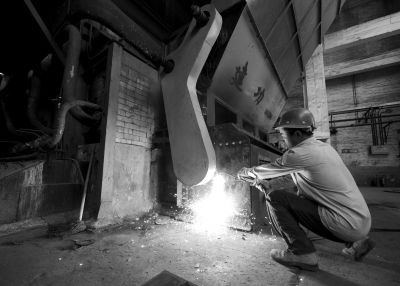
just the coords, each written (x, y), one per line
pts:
(321, 277)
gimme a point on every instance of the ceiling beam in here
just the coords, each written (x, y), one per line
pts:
(372, 30)
(357, 66)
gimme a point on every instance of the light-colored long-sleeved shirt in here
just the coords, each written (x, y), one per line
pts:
(320, 175)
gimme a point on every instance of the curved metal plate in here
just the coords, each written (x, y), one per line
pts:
(193, 155)
(245, 79)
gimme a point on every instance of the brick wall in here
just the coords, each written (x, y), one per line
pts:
(377, 87)
(359, 141)
(136, 115)
(133, 106)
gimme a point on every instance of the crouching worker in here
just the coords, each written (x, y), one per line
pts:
(328, 201)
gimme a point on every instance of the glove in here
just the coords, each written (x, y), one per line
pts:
(263, 186)
(260, 187)
(245, 175)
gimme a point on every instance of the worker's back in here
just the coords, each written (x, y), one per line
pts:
(325, 178)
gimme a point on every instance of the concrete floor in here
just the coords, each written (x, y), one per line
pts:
(135, 252)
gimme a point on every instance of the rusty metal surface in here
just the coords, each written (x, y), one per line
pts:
(235, 150)
(193, 155)
(232, 151)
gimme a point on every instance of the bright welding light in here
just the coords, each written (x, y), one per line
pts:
(212, 212)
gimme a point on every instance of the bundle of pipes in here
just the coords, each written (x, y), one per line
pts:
(5, 83)
(67, 102)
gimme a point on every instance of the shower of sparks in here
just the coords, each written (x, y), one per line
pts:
(212, 212)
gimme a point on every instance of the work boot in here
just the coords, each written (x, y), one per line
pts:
(303, 261)
(359, 249)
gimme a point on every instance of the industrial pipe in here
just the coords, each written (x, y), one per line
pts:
(32, 105)
(361, 119)
(46, 141)
(8, 121)
(373, 128)
(68, 102)
(60, 120)
(110, 15)
(70, 77)
(383, 106)
(69, 83)
(10, 126)
(363, 124)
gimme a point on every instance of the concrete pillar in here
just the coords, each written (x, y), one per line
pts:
(316, 97)
(132, 101)
(107, 144)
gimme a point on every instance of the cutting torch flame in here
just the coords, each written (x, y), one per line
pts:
(212, 212)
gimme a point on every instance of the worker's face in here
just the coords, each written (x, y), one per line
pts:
(293, 139)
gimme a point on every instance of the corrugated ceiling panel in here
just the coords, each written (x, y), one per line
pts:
(307, 26)
(268, 16)
(286, 48)
(312, 42)
(291, 77)
(284, 24)
(287, 60)
(301, 7)
(282, 37)
(329, 12)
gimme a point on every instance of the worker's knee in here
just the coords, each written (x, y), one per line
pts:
(275, 197)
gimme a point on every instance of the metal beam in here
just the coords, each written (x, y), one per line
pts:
(352, 67)
(278, 20)
(296, 34)
(320, 20)
(306, 44)
(365, 108)
(362, 118)
(309, 38)
(45, 31)
(372, 30)
(267, 54)
(364, 124)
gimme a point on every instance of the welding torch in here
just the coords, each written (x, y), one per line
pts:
(250, 180)
(228, 175)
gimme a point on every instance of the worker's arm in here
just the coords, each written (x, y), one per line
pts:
(290, 162)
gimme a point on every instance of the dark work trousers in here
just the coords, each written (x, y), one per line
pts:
(286, 211)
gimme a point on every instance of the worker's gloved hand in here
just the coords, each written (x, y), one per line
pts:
(260, 187)
(263, 186)
(246, 175)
